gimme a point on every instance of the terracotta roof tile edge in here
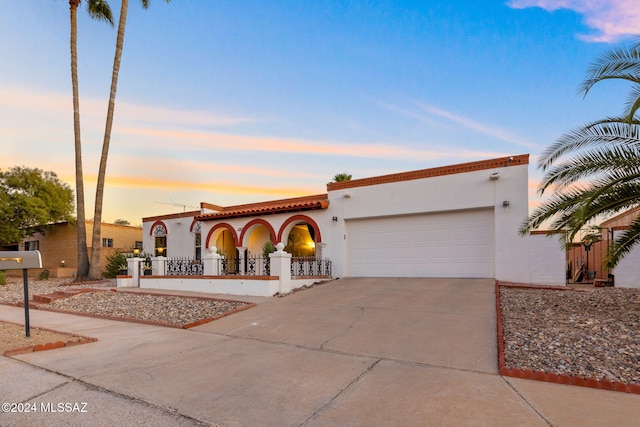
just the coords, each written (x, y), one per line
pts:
(518, 160)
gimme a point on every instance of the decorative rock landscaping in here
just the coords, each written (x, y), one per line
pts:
(578, 336)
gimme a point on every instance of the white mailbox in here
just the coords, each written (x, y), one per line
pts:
(20, 260)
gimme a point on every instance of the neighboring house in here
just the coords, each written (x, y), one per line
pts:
(59, 248)
(453, 221)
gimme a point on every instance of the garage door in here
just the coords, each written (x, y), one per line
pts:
(452, 244)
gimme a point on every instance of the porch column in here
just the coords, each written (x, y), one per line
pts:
(158, 266)
(133, 265)
(320, 250)
(281, 267)
(211, 262)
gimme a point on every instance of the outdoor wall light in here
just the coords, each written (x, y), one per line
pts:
(505, 206)
(494, 176)
(334, 219)
(160, 251)
(136, 252)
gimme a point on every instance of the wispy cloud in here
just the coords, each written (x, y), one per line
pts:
(612, 19)
(93, 109)
(492, 131)
(198, 140)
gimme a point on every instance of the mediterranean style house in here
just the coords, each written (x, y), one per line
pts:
(454, 221)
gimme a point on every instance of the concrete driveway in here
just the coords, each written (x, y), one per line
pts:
(353, 352)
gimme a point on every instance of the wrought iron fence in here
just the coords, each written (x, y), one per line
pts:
(183, 267)
(229, 266)
(256, 265)
(310, 266)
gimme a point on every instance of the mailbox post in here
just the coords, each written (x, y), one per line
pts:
(22, 260)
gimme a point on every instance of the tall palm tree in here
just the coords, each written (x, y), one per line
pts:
(94, 270)
(100, 10)
(594, 170)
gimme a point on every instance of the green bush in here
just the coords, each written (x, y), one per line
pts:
(44, 275)
(3, 278)
(113, 264)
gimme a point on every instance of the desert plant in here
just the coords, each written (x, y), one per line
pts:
(44, 275)
(3, 278)
(268, 248)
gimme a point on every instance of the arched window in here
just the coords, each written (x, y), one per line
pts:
(160, 240)
(198, 240)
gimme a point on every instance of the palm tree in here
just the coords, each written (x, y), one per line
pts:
(100, 10)
(94, 270)
(342, 177)
(594, 170)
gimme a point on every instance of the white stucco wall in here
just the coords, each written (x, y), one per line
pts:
(180, 241)
(627, 272)
(548, 259)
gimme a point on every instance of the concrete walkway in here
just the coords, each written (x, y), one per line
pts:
(354, 352)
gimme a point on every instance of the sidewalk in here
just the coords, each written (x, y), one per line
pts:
(351, 352)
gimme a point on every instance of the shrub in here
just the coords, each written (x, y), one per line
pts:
(3, 278)
(44, 275)
(114, 261)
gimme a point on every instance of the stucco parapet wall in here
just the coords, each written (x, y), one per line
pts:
(171, 216)
(519, 160)
(298, 204)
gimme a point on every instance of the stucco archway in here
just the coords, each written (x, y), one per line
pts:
(300, 234)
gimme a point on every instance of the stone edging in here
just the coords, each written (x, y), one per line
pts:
(48, 346)
(550, 377)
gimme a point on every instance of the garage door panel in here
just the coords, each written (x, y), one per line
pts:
(453, 244)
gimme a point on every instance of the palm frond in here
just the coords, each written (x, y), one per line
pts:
(100, 10)
(612, 130)
(621, 63)
(623, 244)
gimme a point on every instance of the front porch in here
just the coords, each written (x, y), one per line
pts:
(277, 274)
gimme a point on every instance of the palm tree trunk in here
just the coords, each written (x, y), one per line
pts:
(81, 237)
(95, 269)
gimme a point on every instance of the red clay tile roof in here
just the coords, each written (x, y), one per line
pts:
(298, 204)
(522, 159)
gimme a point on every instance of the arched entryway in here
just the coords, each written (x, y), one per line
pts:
(225, 239)
(300, 235)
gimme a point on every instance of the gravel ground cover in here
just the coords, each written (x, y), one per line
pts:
(13, 336)
(593, 333)
(168, 310)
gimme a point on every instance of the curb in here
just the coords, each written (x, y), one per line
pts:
(550, 377)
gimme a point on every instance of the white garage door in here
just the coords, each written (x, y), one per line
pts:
(452, 244)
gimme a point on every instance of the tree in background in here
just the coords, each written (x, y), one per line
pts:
(31, 200)
(342, 177)
(121, 221)
(97, 9)
(94, 269)
(594, 170)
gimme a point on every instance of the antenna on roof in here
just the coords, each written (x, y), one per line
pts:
(175, 204)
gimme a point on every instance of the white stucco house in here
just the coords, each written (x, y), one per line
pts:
(453, 221)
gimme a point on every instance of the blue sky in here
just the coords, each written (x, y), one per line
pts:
(233, 102)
